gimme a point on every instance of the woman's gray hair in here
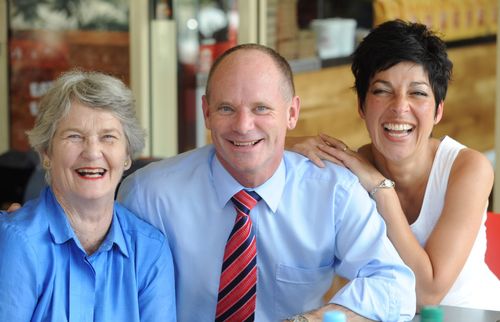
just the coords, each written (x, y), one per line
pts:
(91, 89)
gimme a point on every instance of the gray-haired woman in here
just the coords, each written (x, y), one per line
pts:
(74, 254)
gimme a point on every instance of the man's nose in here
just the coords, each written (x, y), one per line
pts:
(244, 121)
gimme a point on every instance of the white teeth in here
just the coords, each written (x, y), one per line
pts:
(94, 173)
(398, 134)
(244, 143)
(397, 127)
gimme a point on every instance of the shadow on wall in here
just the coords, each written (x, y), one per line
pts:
(16, 169)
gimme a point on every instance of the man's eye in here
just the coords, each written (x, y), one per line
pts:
(225, 109)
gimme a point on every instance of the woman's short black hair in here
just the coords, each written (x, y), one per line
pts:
(398, 41)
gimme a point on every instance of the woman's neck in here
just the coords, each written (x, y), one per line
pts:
(411, 176)
(407, 172)
(89, 220)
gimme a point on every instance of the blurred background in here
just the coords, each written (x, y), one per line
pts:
(163, 50)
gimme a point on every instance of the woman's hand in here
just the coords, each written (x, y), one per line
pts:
(340, 154)
(308, 146)
(324, 147)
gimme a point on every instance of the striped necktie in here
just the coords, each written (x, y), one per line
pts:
(238, 283)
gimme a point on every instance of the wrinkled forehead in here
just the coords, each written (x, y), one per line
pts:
(251, 70)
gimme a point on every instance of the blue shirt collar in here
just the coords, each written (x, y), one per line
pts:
(61, 230)
(226, 186)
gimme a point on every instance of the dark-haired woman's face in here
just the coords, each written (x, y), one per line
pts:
(399, 110)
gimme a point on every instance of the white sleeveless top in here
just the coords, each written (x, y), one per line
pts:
(476, 286)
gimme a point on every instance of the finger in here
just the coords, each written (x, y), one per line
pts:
(334, 151)
(338, 156)
(330, 157)
(13, 207)
(334, 142)
(317, 161)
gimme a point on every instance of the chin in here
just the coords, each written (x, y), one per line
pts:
(96, 195)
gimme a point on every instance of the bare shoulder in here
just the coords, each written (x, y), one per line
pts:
(471, 175)
(472, 161)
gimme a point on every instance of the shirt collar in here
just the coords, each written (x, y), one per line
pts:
(115, 236)
(61, 230)
(226, 186)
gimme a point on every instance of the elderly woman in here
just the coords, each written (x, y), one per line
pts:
(74, 254)
(431, 192)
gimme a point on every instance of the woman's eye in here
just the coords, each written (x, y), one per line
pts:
(378, 91)
(74, 137)
(109, 137)
(419, 93)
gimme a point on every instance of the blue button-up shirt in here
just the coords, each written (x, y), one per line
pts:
(311, 224)
(45, 274)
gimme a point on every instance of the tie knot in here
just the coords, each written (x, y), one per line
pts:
(245, 200)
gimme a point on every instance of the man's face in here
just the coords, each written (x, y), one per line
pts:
(249, 112)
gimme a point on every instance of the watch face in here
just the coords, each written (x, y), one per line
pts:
(387, 183)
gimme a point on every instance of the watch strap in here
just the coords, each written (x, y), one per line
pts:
(384, 184)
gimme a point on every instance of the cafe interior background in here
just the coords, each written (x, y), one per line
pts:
(163, 50)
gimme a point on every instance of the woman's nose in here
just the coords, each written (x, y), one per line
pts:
(92, 148)
(400, 104)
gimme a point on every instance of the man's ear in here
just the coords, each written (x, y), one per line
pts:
(206, 111)
(293, 112)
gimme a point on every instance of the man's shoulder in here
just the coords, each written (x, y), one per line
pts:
(297, 164)
(180, 164)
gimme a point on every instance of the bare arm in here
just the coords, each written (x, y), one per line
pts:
(437, 265)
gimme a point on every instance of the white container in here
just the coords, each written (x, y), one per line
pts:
(335, 36)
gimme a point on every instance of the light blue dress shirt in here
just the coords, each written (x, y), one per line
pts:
(45, 274)
(311, 224)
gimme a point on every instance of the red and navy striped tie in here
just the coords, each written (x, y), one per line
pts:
(238, 282)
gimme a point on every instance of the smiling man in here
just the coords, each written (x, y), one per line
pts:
(258, 233)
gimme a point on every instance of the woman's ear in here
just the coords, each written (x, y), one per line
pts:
(361, 111)
(439, 113)
(128, 163)
(46, 161)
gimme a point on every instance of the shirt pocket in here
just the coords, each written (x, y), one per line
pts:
(300, 289)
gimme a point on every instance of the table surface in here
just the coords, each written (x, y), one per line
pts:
(460, 314)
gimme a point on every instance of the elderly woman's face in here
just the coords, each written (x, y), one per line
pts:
(88, 156)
